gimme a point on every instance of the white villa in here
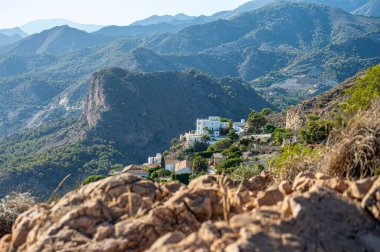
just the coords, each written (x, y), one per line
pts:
(210, 127)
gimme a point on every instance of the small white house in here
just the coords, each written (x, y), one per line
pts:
(192, 138)
(239, 126)
(155, 160)
(170, 164)
(184, 166)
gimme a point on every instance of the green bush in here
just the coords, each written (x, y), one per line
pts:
(268, 128)
(160, 172)
(229, 163)
(184, 178)
(364, 92)
(257, 120)
(200, 164)
(279, 135)
(247, 171)
(317, 130)
(92, 178)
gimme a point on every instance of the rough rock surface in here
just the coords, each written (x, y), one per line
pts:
(126, 213)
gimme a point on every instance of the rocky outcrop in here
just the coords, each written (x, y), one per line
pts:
(213, 213)
(295, 118)
(142, 112)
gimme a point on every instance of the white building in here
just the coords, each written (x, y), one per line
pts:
(191, 138)
(184, 166)
(170, 164)
(211, 126)
(239, 126)
(155, 160)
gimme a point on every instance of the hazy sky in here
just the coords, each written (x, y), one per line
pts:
(120, 12)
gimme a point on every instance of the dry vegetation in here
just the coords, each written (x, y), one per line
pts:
(11, 207)
(355, 152)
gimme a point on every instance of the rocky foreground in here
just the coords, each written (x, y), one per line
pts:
(126, 213)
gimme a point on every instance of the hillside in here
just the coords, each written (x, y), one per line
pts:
(127, 117)
(143, 112)
(368, 8)
(58, 40)
(6, 40)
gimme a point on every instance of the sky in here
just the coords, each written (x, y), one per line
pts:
(104, 12)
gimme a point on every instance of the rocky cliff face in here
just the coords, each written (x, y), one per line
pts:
(142, 112)
(127, 213)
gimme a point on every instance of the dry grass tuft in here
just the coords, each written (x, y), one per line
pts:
(355, 152)
(11, 207)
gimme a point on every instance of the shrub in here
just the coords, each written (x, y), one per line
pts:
(158, 173)
(247, 171)
(280, 135)
(232, 135)
(317, 130)
(295, 159)
(364, 92)
(184, 178)
(198, 147)
(356, 154)
(224, 166)
(92, 178)
(11, 207)
(257, 120)
(222, 144)
(268, 128)
(200, 164)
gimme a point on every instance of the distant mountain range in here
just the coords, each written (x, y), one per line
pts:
(46, 24)
(13, 31)
(6, 40)
(60, 39)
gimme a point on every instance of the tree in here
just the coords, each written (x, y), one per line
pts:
(232, 135)
(268, 128)
(279, 135)
(199, 164)
(163, 161)
(257, 120)
(205, 138)
(222, 144)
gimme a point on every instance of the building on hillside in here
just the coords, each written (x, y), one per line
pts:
(138, 170)
(191, 138)
(155, 160)
(212, 128)
(184, 166)
(239, 126)
(170, 164)
(217, 158)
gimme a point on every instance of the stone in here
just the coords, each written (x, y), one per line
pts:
(371, 200)
(269, 198)
(285, 188)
